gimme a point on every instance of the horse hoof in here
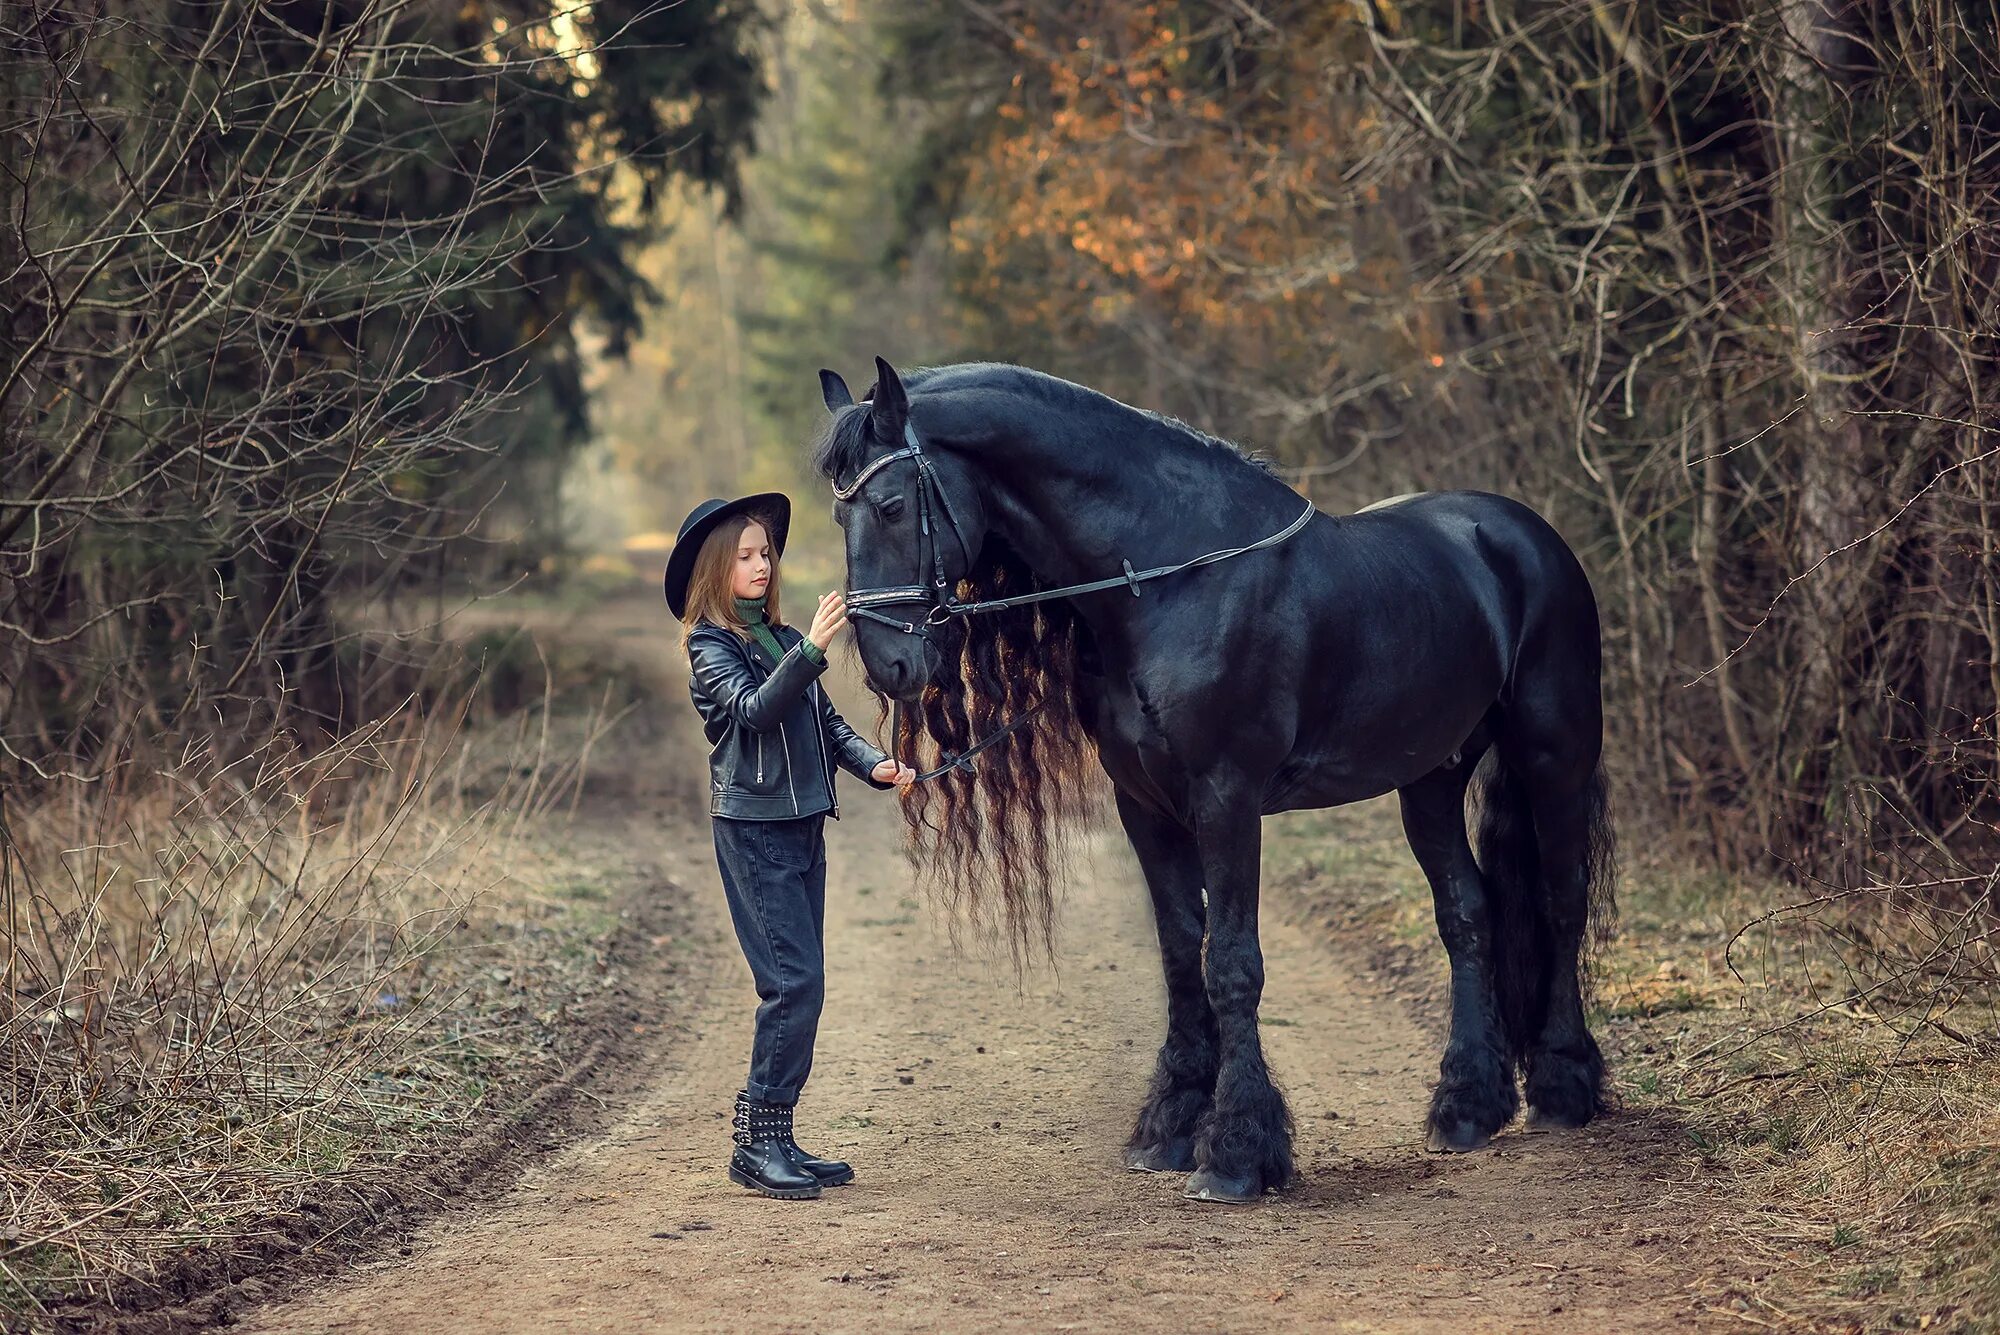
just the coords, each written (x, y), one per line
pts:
(1542, 1120)
(1208, 1185)
(1459, 1138)
(1176, 1156)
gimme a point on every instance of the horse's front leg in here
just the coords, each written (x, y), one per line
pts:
(1184, 1080)
(1243, 1146)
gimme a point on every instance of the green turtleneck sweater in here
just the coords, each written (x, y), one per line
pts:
(752, 612)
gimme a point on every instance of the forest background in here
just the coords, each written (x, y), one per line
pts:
(318, 320)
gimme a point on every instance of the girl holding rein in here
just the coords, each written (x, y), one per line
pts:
(775, 742)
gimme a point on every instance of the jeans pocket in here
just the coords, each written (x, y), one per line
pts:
(789, 844)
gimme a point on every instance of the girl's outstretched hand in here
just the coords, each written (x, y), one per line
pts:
(827, 621)
(894, 771)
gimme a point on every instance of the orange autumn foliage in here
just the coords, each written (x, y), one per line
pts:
(1186, 191)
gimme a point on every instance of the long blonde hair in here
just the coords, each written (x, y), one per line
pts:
(710, 597)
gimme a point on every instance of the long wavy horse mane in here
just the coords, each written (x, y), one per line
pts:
(993, 846)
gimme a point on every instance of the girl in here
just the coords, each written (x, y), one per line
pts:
(774, 740)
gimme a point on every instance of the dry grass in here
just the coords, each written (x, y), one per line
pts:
(231, 981)
(1854, 1087)
(1837, 1060)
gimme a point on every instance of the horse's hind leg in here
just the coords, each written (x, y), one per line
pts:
(1184, 1080)
(1475, 1093)
(1564, 1069)
(1545, 841)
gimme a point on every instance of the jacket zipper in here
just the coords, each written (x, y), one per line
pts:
(760, 757)
(789, 781)
(825, 758)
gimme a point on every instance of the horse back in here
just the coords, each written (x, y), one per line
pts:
(1471, 560)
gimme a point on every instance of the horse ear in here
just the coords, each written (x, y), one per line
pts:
(892, 405)
(834, 390)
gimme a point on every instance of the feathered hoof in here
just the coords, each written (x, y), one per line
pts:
(1173, 1156)
(1207, 1185)
(1565, 1091)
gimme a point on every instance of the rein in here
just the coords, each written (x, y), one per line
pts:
(963, 760)
(944, 605)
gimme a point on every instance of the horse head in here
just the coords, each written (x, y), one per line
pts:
(913, 523)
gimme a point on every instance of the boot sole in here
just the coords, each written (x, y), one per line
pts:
(741, 1178)
(838, 1179)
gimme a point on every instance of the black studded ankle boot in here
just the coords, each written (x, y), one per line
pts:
(763, 1157)
(830, 1172)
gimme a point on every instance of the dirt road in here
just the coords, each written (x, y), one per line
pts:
(985, 1120)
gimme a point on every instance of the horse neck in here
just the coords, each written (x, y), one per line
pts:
(1078, 493)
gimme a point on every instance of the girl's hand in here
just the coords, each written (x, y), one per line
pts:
(892, 771)
(827, 621)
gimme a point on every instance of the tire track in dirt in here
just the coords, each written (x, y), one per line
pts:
(985, 1119)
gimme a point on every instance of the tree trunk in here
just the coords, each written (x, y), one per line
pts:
(1814, 76)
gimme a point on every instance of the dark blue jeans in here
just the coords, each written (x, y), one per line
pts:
(774, 873)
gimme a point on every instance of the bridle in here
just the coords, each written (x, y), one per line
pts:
(943, 601)
(864, 603)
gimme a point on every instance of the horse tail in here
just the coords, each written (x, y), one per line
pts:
(1539, 913)
(1600, 907)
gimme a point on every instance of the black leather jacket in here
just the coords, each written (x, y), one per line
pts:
(773, 736)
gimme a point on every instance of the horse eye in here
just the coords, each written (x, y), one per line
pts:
(892, 508)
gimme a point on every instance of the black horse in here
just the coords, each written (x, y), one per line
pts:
(1409, 647)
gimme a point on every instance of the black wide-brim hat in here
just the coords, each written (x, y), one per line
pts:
(701, 520)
